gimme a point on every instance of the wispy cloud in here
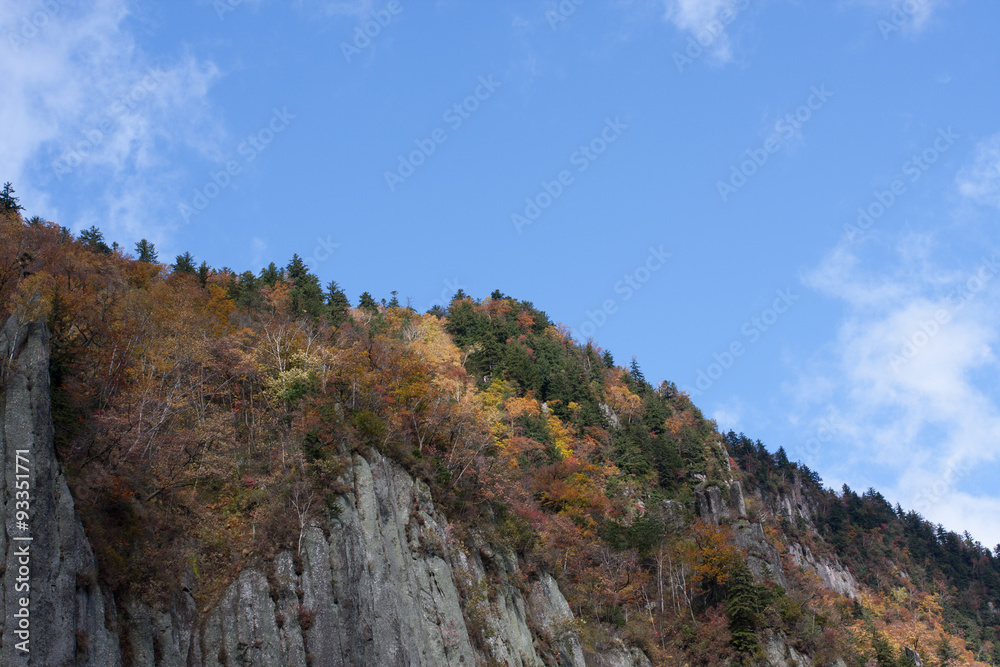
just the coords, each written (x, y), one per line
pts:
(908, 377)
(980, 180)
(85, 107)
(706, 21)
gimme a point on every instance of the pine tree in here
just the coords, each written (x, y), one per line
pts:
(368, 302)
(394, 302)
(184, 264)
(306, 294)
(781, 458)
(609, 361)
(146, 252)
(636, 373)
(8, 202)
(337, 302)
(245, 291)
(203, 274)
(270, 275)
(93, 239)
(745, 602)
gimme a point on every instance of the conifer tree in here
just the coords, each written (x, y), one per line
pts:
(8, 202)
(93, 239)
(306, 294)
(368, 302)
(270, 275)
(203, 274)
(337, 302)
(184, 264)
(146, 252)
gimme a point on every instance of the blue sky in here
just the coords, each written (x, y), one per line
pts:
(787, 208)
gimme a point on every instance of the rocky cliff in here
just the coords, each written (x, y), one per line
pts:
(47, 560)
(379, 580)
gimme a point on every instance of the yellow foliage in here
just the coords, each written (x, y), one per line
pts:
(561, 436)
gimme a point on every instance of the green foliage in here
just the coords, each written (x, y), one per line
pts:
(306, 293)
(337, 303)
(93, 240)
(8, 202)
(184, 264)
(745, 605)
(643, 534)
(367, 302)
(146, 252)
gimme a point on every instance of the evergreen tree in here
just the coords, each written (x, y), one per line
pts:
(245, 291)
(270, 275)
(146, 252)
(609, 361)
(306, 293)
(394, 302)
(636, 373)
(203, 274)
(93, 239)
(745, 602)
(368, 302)
(781, 458)
(337, 302)
(8, 202)
(184, 264)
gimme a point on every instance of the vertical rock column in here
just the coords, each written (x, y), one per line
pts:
(47, 559)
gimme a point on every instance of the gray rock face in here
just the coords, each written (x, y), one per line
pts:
(778, 653)
(763, 559)
(834, 576)
(711, 505)
(914, 656)
(379, 582)
(67, 612)
(620, 656)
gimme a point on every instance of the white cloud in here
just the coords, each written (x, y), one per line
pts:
(904, 380)
(85, 107)
(706, 21)
(980, 181)
(911, 16)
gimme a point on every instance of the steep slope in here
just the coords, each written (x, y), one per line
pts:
(376, 582)
(269, 476)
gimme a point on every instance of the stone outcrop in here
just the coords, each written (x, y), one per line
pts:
(379, 581)
(68, 616)
(834, 576)
(726, 505)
